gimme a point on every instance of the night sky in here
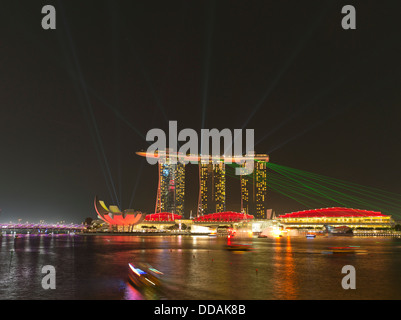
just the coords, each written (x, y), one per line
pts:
(76, 102)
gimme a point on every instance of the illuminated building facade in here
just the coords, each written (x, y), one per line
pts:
(212, 183)
(254, 190)
(117, 219)
(223, 217)
(219, 183)
(171, 187)
(212, 187)
(337, 216)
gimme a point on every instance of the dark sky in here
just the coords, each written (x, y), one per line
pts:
(77, 102)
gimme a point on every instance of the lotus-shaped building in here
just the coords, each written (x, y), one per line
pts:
(114, 216)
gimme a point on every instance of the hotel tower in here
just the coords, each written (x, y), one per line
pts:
(171, 186)
(212, 187)
(253, 191)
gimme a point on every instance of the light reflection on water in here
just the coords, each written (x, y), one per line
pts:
(95, 267)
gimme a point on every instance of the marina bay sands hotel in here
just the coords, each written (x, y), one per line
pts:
(212, 186)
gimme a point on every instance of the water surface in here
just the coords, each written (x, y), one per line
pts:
(95, 267)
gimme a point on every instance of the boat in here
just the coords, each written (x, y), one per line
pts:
(146, 276)
(346, 249)
(310, 236)
(238, 247)
(339, 231)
